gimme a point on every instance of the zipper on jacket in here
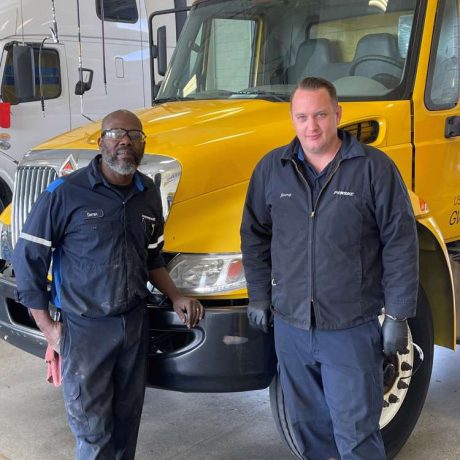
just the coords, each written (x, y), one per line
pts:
(328, 179)
(310, 239)
(313, 227)
(313, 215)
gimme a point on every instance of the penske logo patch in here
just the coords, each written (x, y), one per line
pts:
(343, 193)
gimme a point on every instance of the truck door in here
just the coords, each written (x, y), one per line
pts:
(437, 120)
(47, 112)
(112, 46)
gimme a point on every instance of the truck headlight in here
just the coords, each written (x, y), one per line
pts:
(207, 274)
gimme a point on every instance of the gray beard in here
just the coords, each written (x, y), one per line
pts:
(122, 169)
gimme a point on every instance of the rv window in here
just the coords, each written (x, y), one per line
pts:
(50, 72)
(117, 10)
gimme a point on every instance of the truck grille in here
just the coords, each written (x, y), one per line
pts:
(29, 183)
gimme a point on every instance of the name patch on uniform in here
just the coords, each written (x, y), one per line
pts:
(93, 213)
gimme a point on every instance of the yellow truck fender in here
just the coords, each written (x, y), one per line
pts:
(436, 274)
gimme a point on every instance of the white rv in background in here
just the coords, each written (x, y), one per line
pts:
(66, 62)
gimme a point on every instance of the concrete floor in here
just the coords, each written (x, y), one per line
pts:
(198, 426)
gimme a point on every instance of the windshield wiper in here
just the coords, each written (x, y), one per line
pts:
(265, 94)
(212, 94)
(173, 99)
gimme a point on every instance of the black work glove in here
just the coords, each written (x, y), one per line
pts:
(260, 314)
(395, 336)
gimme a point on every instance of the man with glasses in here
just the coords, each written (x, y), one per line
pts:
(102, 226)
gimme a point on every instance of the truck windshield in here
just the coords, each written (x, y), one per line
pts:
(261, 48)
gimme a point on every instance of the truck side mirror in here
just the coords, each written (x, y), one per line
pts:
(161, 51)
(24, 72)
(85, 82)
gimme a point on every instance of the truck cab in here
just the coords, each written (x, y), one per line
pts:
(223, 103)
(65, 64)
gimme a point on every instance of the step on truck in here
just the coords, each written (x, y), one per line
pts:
(221, 104)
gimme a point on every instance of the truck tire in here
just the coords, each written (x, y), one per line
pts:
(282, 422)
(402, 404)
(397, 430)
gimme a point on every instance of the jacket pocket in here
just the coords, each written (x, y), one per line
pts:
(96, 241)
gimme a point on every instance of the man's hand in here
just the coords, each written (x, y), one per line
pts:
(189, 310)
(52, 330)
(53, 335)
(395, 336)
(260, 314)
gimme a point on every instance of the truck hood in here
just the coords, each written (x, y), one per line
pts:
(217, 143)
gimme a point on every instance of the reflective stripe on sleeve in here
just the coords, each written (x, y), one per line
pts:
(155, 245)
(35, 239)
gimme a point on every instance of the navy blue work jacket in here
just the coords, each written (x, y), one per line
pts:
(101, 242)
(347, 255)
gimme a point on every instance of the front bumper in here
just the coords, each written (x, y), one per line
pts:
(222, 354)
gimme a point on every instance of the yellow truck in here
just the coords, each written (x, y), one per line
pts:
(222, 104)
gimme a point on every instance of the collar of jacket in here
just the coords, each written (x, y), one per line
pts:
(96, 177)
(350, 147)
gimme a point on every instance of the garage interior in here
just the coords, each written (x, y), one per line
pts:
(179, 426)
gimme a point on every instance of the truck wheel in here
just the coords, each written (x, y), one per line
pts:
(406, 386)
(405, 404)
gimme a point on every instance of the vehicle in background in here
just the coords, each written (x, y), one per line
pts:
(223, 103)
(61, 65)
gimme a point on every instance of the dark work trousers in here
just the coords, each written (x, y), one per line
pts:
(332, 383)
(103, 382)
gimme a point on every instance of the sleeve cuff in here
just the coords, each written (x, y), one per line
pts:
(401, 310)
(37, 300)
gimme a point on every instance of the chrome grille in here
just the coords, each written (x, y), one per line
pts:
(30, 181)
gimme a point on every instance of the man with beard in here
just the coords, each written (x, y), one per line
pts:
(102, 226)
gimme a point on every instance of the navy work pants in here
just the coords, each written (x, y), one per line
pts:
(332, 383)
(103, 382)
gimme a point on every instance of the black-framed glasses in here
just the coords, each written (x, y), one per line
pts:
(116, 134)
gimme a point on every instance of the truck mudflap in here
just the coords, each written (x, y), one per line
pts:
(223, 353)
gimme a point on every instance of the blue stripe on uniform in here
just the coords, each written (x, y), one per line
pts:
(54, 185)
(138, 182)
(56, 284)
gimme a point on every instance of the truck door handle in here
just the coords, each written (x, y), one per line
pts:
(452, 127)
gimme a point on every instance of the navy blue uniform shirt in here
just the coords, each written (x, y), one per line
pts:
(102, 244)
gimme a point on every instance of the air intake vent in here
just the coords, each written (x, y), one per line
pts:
(30, 182)
(366, 131)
